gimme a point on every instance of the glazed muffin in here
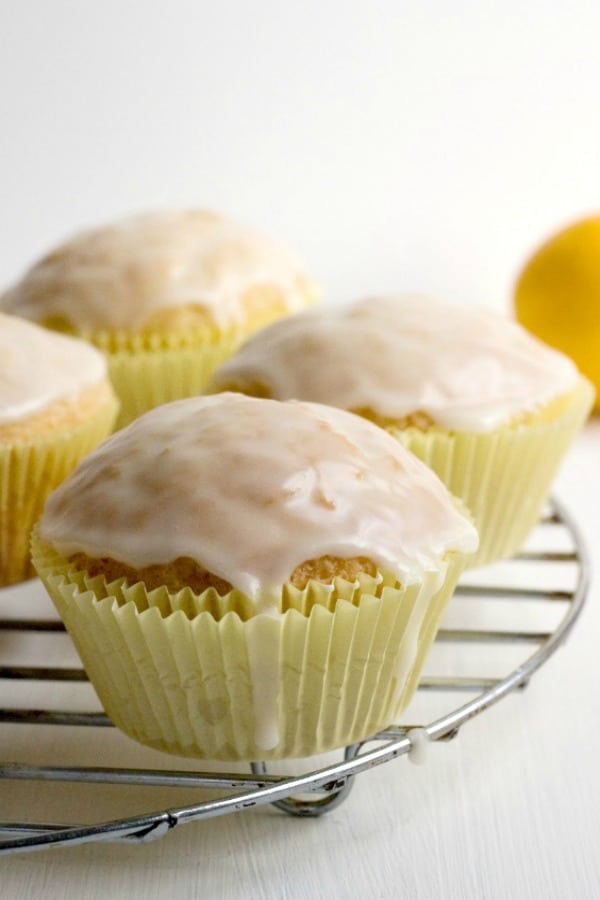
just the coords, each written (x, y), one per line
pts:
(56, 404)
(247, 579)
(488, 407)
(167, 296)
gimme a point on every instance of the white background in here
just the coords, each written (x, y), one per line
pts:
(396, 146)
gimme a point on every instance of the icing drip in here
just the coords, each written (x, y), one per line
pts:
(419, 743)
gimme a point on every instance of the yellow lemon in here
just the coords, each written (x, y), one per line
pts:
(557, 296)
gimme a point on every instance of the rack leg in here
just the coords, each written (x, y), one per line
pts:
(321, 802)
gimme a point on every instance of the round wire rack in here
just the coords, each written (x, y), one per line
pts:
(551, 574)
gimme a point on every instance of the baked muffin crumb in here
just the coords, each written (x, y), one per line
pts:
(186, 572)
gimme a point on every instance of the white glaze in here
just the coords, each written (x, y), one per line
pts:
(40, 368)
(119, 275)
(252, 488)
(263, 637)
(419, 744)
(469, 370)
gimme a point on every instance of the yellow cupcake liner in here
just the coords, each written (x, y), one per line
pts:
(150, 368)
(337, 665)
(147, 378)
(29, 472)
(503, 477)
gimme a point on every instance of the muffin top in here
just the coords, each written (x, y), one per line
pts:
(124, 275)
(40, 368)
(399, 357)
(250, 489)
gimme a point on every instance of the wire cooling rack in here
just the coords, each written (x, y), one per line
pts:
(549, 577)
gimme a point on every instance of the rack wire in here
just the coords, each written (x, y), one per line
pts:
(533, 576)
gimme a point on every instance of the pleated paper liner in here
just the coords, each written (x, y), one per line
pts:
(29, 472)
(153, 377)
(198, 676)
(503, 477)
(150, 368)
